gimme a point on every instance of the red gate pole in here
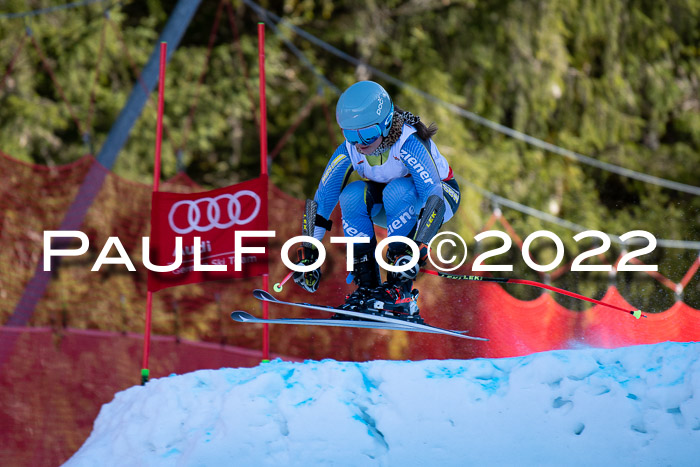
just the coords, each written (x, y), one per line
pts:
(263, 171)
(156, 186)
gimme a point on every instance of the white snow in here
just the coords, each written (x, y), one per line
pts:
(629, 406)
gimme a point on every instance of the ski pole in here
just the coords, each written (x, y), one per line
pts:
(307, 229)
(636, 313)
(278, 286)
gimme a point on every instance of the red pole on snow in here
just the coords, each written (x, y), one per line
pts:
(156, 186)
(263, 171)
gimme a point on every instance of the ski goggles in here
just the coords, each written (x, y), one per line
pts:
(364, 136)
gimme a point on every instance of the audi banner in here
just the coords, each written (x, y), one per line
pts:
(216, 217)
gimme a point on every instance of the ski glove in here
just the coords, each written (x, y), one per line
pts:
(307, 280)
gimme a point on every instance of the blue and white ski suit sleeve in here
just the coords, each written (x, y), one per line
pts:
(334, 179)
(407, 176)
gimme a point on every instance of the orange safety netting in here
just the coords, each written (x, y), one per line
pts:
(680, 323)
(55, 383)
(516, 327)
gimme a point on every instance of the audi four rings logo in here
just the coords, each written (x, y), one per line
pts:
(213, 212)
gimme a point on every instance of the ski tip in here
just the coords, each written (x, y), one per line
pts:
(241, 316)
(464, 335)
(263, 295)
(474, 338)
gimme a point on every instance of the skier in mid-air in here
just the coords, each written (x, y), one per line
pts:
(406, 186)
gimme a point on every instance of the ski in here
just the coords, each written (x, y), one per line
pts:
(244, 317)
(266, 296)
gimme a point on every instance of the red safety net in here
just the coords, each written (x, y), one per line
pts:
(56, 381)
(516, 327)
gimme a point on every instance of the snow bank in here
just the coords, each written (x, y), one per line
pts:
(629, 406)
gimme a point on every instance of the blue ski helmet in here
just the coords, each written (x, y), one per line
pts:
(364, 106)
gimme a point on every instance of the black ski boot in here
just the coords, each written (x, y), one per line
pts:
(396, 299)
(397, 294)
(365, 275)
